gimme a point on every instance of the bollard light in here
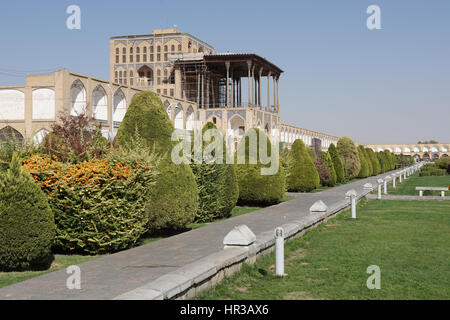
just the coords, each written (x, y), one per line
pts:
(279, 252)
(394, 177)
(352, 195)
(400, 177)
(380, 181)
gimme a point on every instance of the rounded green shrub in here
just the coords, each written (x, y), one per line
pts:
(337, 163)
(349, 155)
(174, 196)
(301, 174)
(256, 188)
(27, 226)
(217, 184)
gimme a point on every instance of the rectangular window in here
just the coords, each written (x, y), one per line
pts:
(138, 58)
(124, 59)
(171, 92)
(165, 92)
(151, 49)
(131, 58)
(165, 57)
(158, 91)
(117, 59)
(151, 58)
(158, 57)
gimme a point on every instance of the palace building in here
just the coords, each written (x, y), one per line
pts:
(235, 91)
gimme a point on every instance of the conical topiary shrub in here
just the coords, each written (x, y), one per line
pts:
(349, 155)
(376, 169)
(301, 175)
(364, 171)
(337, 163)
(329, 164)
(217, 184)
(174, 196)
(27, 226)
(254, 187)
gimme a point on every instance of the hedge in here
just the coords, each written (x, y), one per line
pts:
(99, 205)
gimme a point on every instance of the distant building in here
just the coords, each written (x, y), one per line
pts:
(195, 84)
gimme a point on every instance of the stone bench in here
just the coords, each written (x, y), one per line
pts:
(441, 189)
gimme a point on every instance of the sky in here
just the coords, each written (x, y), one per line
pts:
(376, 86)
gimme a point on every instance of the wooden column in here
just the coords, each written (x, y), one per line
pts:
(268, 91)
(249, 64)
(227, 64)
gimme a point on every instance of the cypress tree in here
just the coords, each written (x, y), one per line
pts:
(337, 163)
(374, 160)
(217, 183)
(349, 155)
(174, 196)
(27, 226)
(302, 175)
(364, 171)
(255, 188)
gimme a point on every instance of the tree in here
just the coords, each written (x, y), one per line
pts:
(349, 155)
(302, 175)
(364, 171)
(376, 169)
(329, 164)
(27, 226)
(255, 188)
(337, 163)
(174, 196)
(217, 183)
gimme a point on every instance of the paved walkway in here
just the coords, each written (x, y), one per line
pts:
(115, 274)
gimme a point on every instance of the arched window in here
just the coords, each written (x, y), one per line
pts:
(99, 104)
(179, 117)
(78, 98)
(43, 103)
(190, 119)
(39, 137)
(9, 134)
(119, 107)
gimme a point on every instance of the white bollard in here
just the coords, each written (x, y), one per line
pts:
(385, 187)
(420, 193)
(400, 177)
(352, 195)
(393, 181)
(380, 181)
(443, 194)
(404, 177)
(279, 252)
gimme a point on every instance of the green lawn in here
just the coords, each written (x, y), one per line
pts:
(409, 241)
(61, 261)
(408, 187)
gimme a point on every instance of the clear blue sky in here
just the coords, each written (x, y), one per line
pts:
(382, 86)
